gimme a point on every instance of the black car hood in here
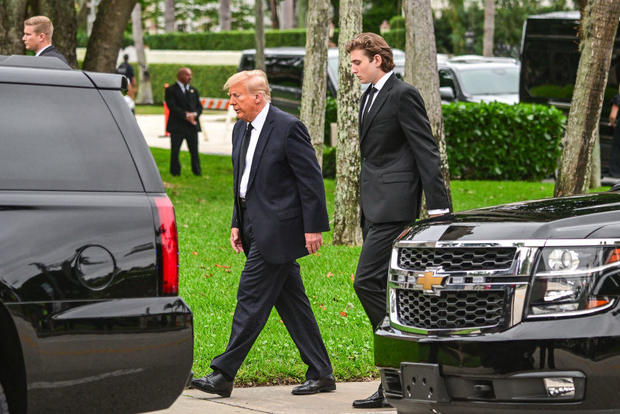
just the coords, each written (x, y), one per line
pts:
(589, 216)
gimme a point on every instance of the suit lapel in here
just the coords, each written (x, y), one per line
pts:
(236, 154)
(376, 106)
(263, 138)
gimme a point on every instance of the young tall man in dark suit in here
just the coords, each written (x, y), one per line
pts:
(183, 101)
(400, 159)
(38, 31)
(278, 216)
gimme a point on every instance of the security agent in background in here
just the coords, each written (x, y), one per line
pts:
(278, 216)
(126, 70)
(38, 31)
(183, 101)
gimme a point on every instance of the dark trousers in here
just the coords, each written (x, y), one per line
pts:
(192, 142)
(262, 286)
(614, 159)
(372, 268)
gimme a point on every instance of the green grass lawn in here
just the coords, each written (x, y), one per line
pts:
(210, 273)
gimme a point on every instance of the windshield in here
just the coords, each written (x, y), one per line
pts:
(490, 81)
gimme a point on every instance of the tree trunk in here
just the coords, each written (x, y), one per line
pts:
(599, 25)
(107, 36)
(288, 14)
(64, 18)
(314, 86)
(421, 71)
(347, 207)
(12, 16)
(145, 90)
(225, 15)
(169, 18)
(273, 6)
(259, 34)
(595, 171)
(489, 27)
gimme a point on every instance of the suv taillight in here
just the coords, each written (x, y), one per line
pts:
(168, 246)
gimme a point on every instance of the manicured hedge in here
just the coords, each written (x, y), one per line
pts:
(395, 38)
(207, 79)
(228, 40)
(494, 141)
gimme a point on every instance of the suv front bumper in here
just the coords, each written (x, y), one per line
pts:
(523, 369)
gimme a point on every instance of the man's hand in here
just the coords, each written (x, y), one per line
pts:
(235, 240)
(313, 242)
(191, 117)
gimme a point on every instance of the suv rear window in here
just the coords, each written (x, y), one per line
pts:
(61, 138)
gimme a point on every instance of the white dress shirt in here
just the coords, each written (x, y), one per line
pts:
(41, 51)
(257, 127)
(380, 83)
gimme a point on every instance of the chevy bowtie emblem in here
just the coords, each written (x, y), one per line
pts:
(428, 279)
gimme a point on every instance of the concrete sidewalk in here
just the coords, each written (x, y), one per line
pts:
(217, 132)
(276, 399)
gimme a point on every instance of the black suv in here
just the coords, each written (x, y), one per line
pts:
(506, 309)
(90, 316)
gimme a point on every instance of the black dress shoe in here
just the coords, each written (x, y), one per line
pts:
(377, 400)
(214, 383)
(311, 386)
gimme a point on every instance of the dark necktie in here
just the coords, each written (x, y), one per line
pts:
(372, 92)
(244, 150)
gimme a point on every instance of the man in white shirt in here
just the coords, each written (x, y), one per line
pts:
(278, 216)
(38, 31)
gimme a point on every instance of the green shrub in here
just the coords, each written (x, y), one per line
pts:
(495, 141)
(227, 40)
(395, 38)
(397, 22)
(208, 79)
(329, 162)
(82, 39)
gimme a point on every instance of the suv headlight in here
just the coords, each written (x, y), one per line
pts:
(574, 280)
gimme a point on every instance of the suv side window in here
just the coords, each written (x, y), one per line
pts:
(446, 78)
(60, 138)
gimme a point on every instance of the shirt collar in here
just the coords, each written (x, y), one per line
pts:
(382, 81)
(41, 51)
(260, 119)
(182, 85)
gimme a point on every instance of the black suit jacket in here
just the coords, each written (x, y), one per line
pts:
(399, 156)
(53, 52)
(285, 195)
(178, 103)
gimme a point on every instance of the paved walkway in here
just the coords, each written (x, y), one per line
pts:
(216, 130)
(276, 399)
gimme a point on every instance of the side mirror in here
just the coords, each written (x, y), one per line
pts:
(447, 93)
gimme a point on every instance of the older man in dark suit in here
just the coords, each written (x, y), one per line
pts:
(278, 216)
(183, 101)
(38, 31)
(400, 159)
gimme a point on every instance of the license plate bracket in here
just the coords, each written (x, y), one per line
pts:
(423, 382)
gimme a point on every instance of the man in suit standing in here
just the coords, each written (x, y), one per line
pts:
(400, 159)
(38, 31)
(278, 216)
(183, 101)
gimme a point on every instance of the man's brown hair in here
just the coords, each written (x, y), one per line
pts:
(372, 44)
(41, 24)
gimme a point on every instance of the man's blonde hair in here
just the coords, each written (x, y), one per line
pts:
(254, 80)
(41, 24)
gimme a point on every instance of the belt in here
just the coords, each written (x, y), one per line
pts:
(242, 203)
